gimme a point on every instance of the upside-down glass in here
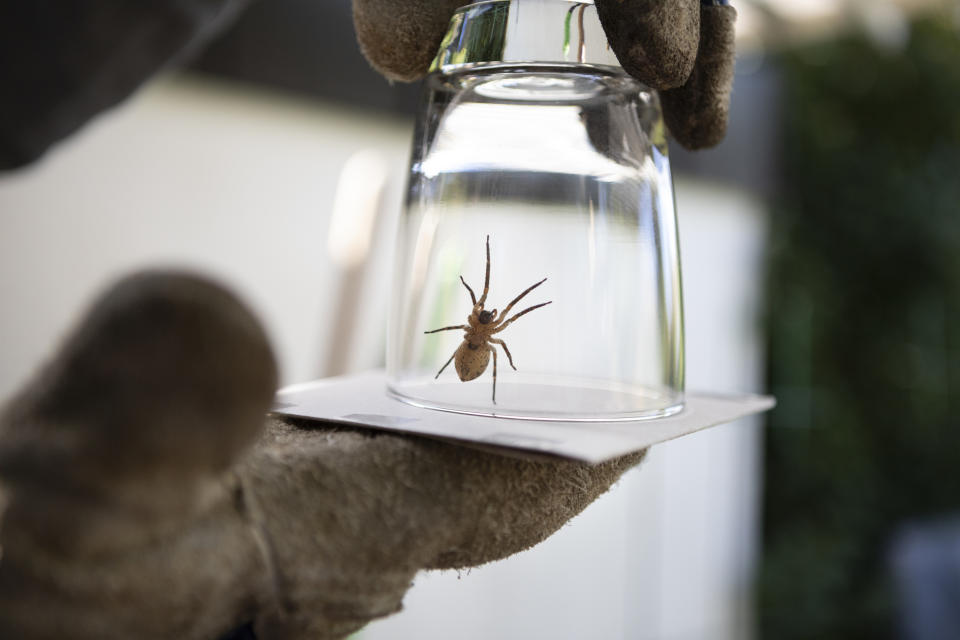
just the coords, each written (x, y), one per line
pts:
(531, 134)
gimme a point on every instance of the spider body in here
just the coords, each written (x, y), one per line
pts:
(470, 360)
(473, 355)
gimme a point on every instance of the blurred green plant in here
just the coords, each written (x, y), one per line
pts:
(864, 327)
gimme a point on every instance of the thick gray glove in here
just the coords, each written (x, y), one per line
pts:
(147, 497)
(683, 48)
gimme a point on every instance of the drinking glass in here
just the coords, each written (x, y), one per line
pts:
(534, 142)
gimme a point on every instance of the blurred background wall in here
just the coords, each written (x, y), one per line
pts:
(833, 199)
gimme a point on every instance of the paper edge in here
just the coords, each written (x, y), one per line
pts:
(763, 403)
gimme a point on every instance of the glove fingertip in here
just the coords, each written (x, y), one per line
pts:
(169, 375)
(697, 112)
(655, 41)
(400, 40)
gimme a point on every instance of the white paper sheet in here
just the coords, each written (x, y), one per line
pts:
(362, 400)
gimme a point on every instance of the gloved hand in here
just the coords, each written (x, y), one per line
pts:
(682, 48)
(143, 495)
(64, 62)
(147, 497)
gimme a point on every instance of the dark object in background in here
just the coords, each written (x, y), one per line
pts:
(308, 47)
(925, 558)
(864, 328)
(245, 632)
(61, 63)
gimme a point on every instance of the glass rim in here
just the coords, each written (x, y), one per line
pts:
(677, 406)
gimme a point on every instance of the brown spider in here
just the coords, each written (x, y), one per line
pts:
(473, 354)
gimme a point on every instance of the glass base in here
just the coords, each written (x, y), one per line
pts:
(543, 400)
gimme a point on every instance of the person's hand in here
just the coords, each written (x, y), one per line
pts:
(73, 64)
(148, 497)
(682, 48)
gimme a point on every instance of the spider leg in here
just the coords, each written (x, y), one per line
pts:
(528, 310)
(445, 366)
(486, 280)
(494, 352)
(505, 350)
(459, 326)
(506, 311)
(473, 298)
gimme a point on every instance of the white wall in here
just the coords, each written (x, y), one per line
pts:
(227, 182)
(241, 185)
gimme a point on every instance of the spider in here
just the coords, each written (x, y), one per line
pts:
(473, 354)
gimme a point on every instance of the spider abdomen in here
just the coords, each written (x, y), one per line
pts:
(471, 360)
